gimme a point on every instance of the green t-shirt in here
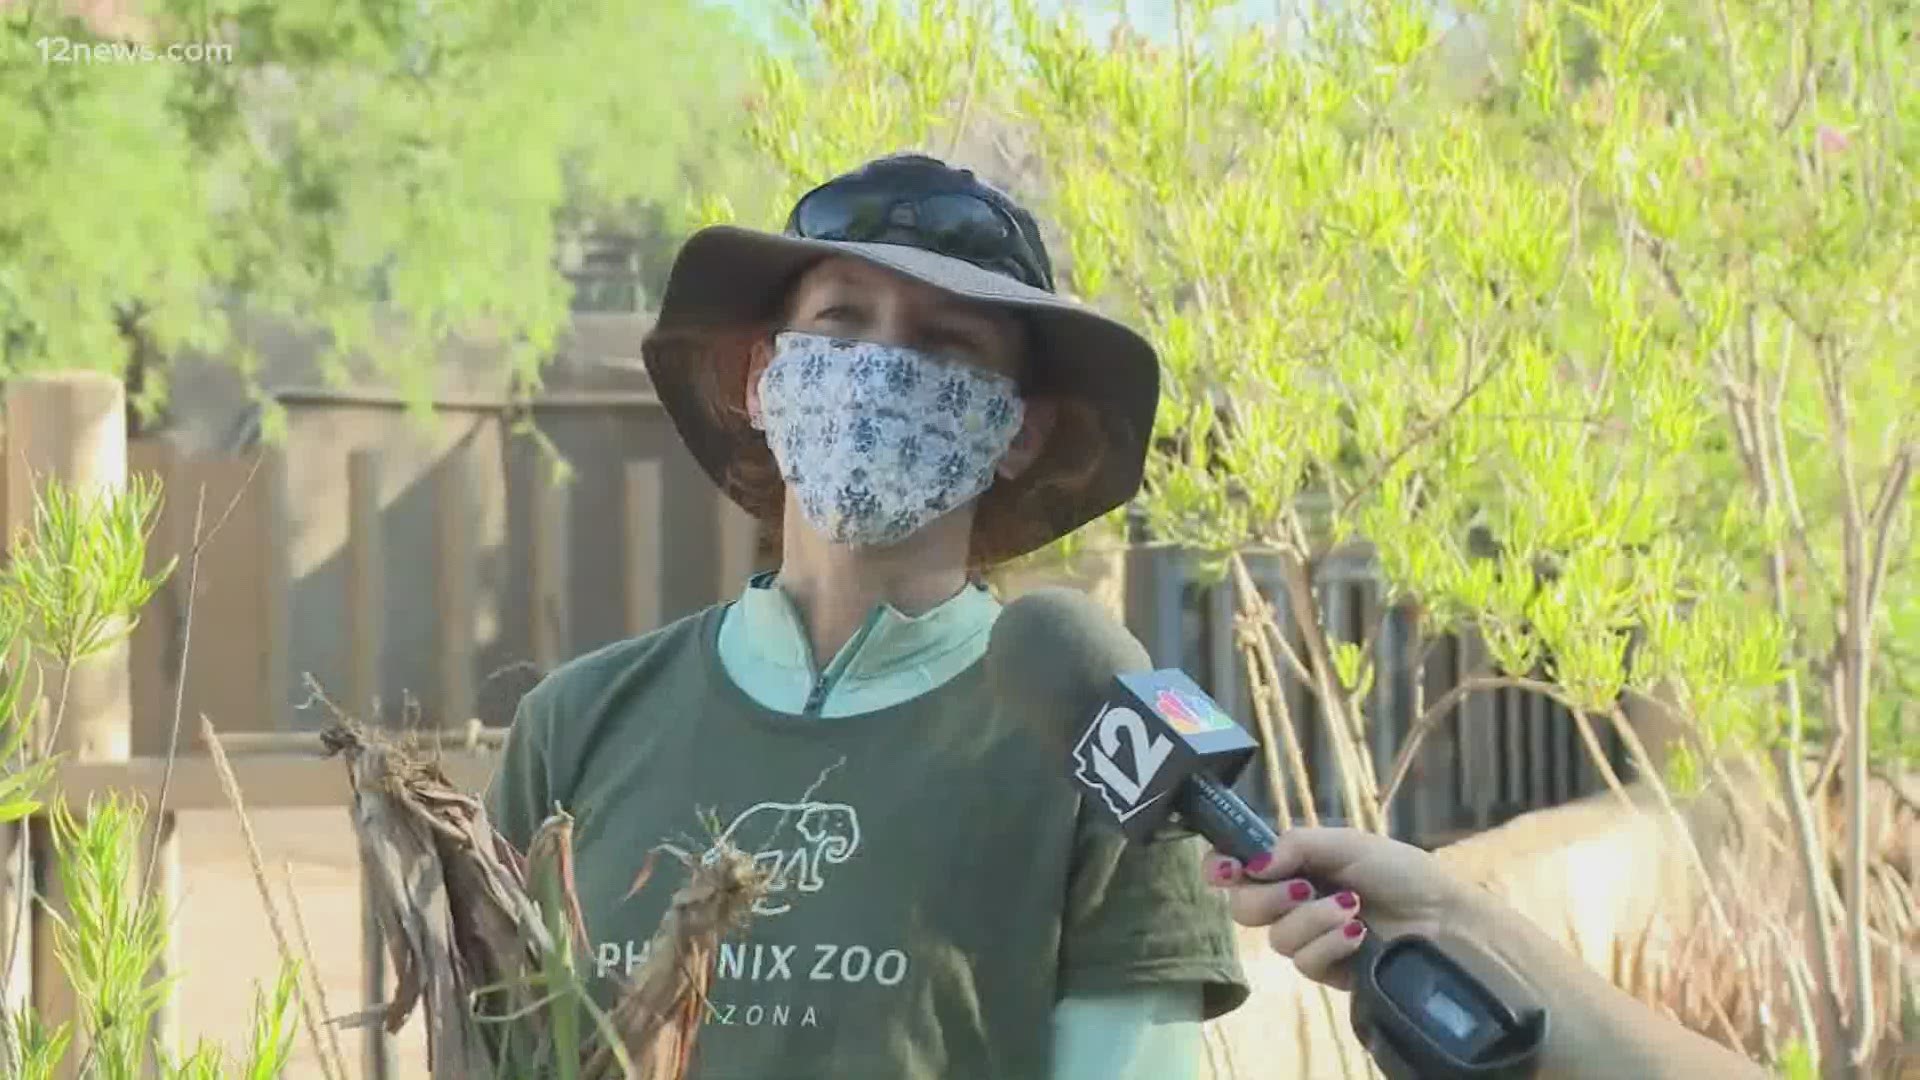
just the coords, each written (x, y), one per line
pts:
(938, 884)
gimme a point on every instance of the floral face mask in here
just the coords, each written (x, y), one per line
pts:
(876, 441)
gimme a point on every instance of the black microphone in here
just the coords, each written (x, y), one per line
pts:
(1149, 747)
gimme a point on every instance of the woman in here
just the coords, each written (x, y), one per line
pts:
(1596, 1031)
(894, 386)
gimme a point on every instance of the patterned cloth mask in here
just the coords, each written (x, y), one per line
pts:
(876, 441)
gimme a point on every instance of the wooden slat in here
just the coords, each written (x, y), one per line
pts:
(1540, 735)
(643, 524)
(1479, 750)
(154, 648)
(1578, 769)
(548, 594)
(276, 590)
(1336, 600)
(366, 622)
(16, 890)
(54, 1000)
(270, 781)
(1392, 697)
(454, 586)
(1434, 790)
(1223, 659)
(1514, 763)
(366, 583)
(474, 736)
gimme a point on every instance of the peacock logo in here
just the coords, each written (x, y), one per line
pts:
(1189, 714)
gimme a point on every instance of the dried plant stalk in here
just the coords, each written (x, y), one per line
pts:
(450, 899)
(489, 939)
(659, 1017)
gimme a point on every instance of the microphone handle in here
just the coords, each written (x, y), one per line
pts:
(1224, 818)
(1230, 825)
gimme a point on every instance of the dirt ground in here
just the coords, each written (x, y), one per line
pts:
(226, 946)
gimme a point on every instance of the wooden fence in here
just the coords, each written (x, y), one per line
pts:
(1499, 754)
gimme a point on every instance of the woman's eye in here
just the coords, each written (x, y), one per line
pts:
(836, 313)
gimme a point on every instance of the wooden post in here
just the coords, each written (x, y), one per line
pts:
(454, 573)
(16, 890)
(1435, 791)
(739, 536)
(548, 595)
(366, 591)
(643, 523)
(1540, 749)
(1223, 668)
(68, 428)
(1479, 749)
(366, 600)
(276, 593)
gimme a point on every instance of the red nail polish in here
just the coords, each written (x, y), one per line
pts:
(1300, 890)
(1223, 870)
(1259, 862)
(1353, 929)
(1346, 900)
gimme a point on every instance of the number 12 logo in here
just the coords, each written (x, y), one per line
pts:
(1122, 789)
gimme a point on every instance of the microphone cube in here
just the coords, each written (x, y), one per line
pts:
(1157, 729)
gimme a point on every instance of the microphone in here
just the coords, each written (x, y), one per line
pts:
(1147, 745)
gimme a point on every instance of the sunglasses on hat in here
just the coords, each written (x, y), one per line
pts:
(957, 224)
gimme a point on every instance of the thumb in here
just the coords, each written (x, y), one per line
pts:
(1322, 853)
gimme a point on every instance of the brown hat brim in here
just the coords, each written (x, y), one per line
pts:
(726, 278)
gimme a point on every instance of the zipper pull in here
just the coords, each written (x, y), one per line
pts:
(817, 696)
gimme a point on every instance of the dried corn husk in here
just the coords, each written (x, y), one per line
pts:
(488, 938)
(659, 1017)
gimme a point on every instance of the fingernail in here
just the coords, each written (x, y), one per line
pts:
(1223, 871)
(1353, 929)
(1259, 862)
(1300, 890)
(1346, 900)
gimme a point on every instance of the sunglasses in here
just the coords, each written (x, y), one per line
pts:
(955, 224)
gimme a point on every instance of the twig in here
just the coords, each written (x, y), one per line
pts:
(1855, 653)
(306, 960)
(1410, 748)
(1332, 703)
(231, 786)
(1269, 675)
(199, 545)
(980, 35)
(1880, 521)
(1422, 433)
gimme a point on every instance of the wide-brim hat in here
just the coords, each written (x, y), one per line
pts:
(726, 278)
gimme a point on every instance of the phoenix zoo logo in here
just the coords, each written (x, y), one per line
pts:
(805, 839)
(1119, 757)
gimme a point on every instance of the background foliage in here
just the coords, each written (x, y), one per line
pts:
(350, 158)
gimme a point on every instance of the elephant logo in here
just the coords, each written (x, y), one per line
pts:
(829, 834)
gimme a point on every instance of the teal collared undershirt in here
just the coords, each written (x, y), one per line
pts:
(1132, 1035)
